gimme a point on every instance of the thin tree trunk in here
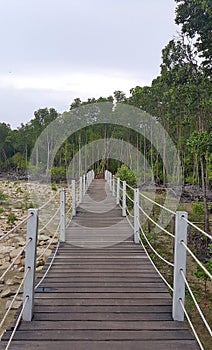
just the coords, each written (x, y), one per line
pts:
(204, 190)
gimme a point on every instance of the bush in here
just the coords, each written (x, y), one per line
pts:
(11, 219)
(3, 196)
(126, 174)
(198, 208)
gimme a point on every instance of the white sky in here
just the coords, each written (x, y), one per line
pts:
(53, 51)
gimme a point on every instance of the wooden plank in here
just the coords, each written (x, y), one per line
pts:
(105, 345)
(105, 324)
(111, 316)
(101, 335)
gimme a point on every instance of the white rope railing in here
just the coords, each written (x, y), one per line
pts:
(14, 260)
(159, 205)
(14, 298)
(195, 302)
(198, 228)
(129, 222)
(49, 244)
(45, 204)
(196, 259)
(153, 264)
(154, 222)
(191, 325)
(50, 265)
(155, 251)
(14, 228)
(50, 220)
(130, 214)
(17, 323)
(129, 198)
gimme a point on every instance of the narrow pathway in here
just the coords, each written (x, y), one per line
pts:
(101, 293)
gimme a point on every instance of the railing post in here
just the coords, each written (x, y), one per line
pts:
(62, 214)
(84, 184)
(80, 189)
(110, 181)
(136, 216)
(113, 186)
(105, 175)
(124, 199)
(118, 191)
(179, 265)
(73, 196)
(30, 263)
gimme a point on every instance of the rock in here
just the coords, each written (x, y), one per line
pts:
(5, 250)
(15, 252)
(39, 268)
(7, 293)
(15, 306)
(10, 282)
(43, 238)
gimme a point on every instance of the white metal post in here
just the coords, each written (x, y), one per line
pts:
(84, 184)
(105, 175)
(118, 191)
(110, 181)
(113, 186)
(80, 189)
(62, 214)
(179, 265)
(136, 216)
(73, 195)
(124, 199)
(30, 263)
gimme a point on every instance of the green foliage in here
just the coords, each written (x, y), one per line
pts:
(198, 208)
(201, 275)
(3, 196)
(19, 190)
(126, 174)
(54, 186)
(1, 210)
(58, 173)
(11, 218)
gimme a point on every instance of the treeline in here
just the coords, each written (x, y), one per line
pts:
(180, 98)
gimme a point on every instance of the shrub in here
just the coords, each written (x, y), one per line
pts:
(11, 218)
(3, 196)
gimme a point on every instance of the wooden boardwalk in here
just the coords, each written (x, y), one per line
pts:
(101, 293)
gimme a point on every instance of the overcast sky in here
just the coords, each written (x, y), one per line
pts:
(53, 51)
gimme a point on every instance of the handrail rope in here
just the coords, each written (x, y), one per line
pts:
(17, 323)
(149, 244)
(50, 242)
(132, 216)
(196, 304)
(132, 200)
(154, 222)
(45, 204)
(15, 296)
(14, 228)
(14, 260)
(196, 259)
(129, 222)
(197, 228)
(159, 205)
(50, 220)
(191, 325)
(50, 265)
(130, 187)
(69, 210)
(153, 264)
